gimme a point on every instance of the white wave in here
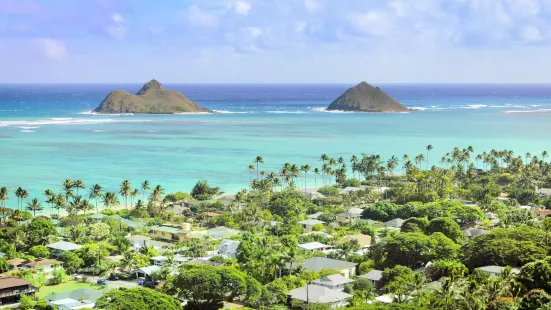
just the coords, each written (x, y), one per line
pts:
(26, 131)
(286, 112)
(228, 112)
(61, 119)
(98, 130)
(535, 105)
(420, 108)
(65, 121)
(151, 131)
(330, 111)
(89, 113)
(29, 127)
(528, 111)
(476, 106)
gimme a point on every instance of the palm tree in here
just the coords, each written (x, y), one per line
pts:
(110, 200)
(258, 160)
(544, 155)
(353, 163)
(419, 159)
(133, 195)
(128, 260)
(59, 203)
(95, 192)
(50, 198)
(145, 187)
(4, 195)
(18, 193)
(429, 148)
(34, 206)
(78, 184)
(316, 172)
(391, 164)
(74, 206)
(125, 191)
(305, 169)
(251, 168)
(67, 189)
(86, 206)
(157, 194)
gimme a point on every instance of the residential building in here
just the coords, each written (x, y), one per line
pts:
(228, 248)
(474, 232)
(45, 265)
(171, 232)
(347, 269)
(314, 246)
(77, 299)
(334, 282)
(146, 272)
(314, 216)
(495, 271)
(309, 224)
(364, 241)
(395, 223)
(222, 232)
(543, 212)
(375, 276)
(351, 215)
(11, 289)
(158, 260)
(15, 263)
(544, 192)
(320, 295)
(59, 247)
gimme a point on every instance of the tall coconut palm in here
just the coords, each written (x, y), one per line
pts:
(78, 184)
(133, 195)
(4, 195)
(59, 203)
(316, 173)
(50, 198)
(157, 194)
(304, 169)
(353, 164)
(429, 148)
(18, 193)
(419, 159)
(110, 200)
(34, 206)
(251, 168)
(125, 190)
(67, 187)
(74, 205)
(391, 164)
(95, 192)
(145, 187)
(258, 160)
(544, 155)
(86, 206)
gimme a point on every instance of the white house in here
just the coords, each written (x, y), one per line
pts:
(395, 223)
(321, 295)
(334, 282)
(374, 276)
(347, 269)
(309, 224)
(496, 271)
(314, 246)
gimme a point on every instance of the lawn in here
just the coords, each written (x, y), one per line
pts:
(64, 287)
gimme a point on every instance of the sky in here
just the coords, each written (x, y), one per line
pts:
(275, 41)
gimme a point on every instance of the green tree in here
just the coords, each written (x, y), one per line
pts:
(415, 224)
(137, 298)
(536, 275)
(71, 261)
(95, 192)
(202, 191)
(40, 251)
(26, 302)
(448, 227)
(535, 299)
(34, 206)
(59, 275)
(40, 231)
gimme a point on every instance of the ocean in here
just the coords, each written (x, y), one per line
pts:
(47, 133)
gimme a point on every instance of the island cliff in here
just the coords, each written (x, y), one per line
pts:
(152, 98)
(366, 98)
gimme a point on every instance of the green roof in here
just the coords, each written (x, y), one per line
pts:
(168, 229)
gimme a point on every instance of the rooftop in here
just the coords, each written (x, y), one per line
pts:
(169, 229)
(64, 246)
(332, 280)
(12, 282)
(311, 222)
(90, 294)
(315, 215)
(318, 294)
(319, 263)
(363, 240)
(41, 262)
(374, 275)
(312, 246)
(395, 223)
(497, 269)
(149, 269)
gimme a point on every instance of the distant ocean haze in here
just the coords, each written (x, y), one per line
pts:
(47, 132)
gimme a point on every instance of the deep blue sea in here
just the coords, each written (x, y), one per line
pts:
(47, 133)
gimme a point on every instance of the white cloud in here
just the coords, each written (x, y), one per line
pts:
(313, 6)
(53, 49)
(199, 18)
(531, 34)
(374, 23)
(242, 7)
(117, 29)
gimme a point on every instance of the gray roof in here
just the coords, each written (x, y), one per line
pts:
(64, 246)
(497, 269)
(228, 246)
(311, 222)
(312, 245)
(319, 263)
(333, 280)
(315, 215)
(318, 294)
(90, 294)
(544, 191)
(397, 223)
(474, 232)
(149, 269)
(374, 275)
(222, 232)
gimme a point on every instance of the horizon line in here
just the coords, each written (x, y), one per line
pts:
(280, 83)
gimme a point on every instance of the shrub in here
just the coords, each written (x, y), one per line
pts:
(351, 183)
(329, 191)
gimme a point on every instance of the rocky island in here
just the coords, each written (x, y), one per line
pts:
(366, 98)
(152, 98)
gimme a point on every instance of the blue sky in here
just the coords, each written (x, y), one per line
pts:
(275, 41)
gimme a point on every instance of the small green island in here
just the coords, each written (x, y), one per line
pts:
(152, 98)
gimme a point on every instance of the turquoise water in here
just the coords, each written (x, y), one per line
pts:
(47, 136)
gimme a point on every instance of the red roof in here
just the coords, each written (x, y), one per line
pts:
(543, 212)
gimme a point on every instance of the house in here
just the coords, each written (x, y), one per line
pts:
(228, 248)
(15, 263)
(347, 269)
(132, 225)
(490, 215)
(314, 246)
(320, 295)
(364, 241)
(59, 247)
(158, 260)
(146, 272)
(474, 232)
(351, 215)
(11, 289)
(171, 232)
(544, 192)
(77, 299)
(375, 276)
(495, 271)
(45, 265)
(222, 232)
(309, 224)
(315, 215)
(543, 212)
(395, 223)
(334, 282)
